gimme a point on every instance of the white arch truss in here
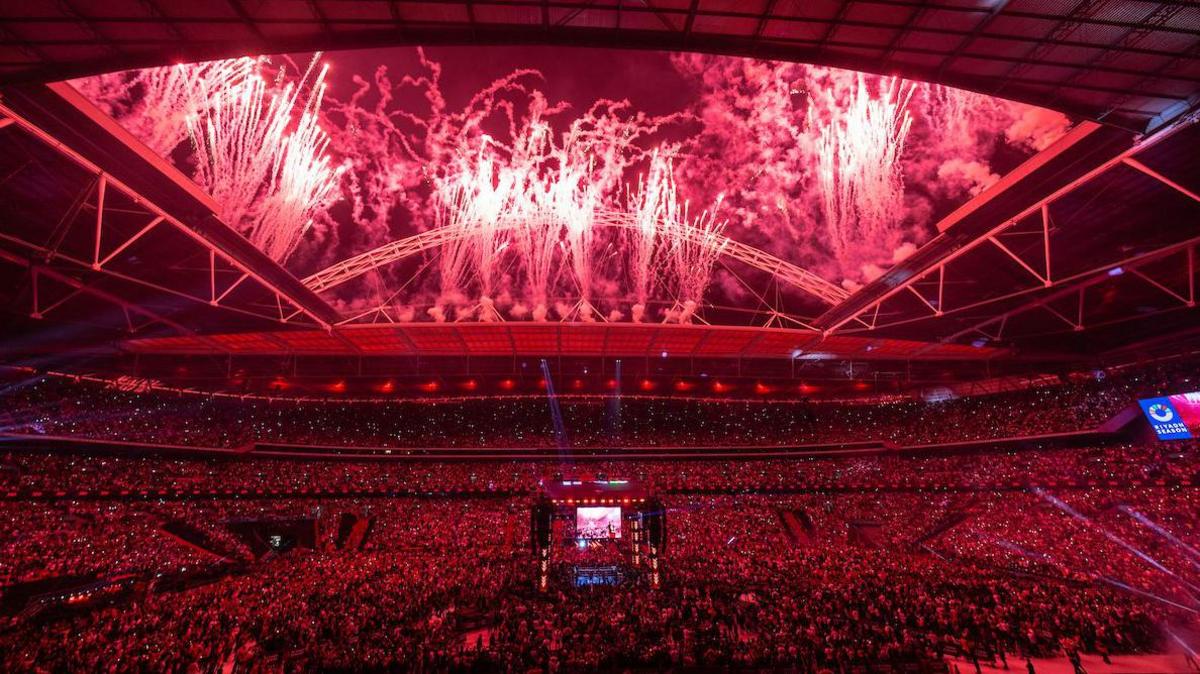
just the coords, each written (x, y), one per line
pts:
(784, 272)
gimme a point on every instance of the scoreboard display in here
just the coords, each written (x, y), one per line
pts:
(1173, 417)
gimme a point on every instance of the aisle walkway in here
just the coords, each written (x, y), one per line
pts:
(1121, 664)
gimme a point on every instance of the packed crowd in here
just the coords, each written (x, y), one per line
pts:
(31, 471)
(814, 581)
(889, 560)
(449, 585)
(59, 406)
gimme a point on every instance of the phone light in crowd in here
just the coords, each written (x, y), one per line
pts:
(1116, 271)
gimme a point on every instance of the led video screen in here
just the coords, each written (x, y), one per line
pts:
(1174, 417)
(598, 522)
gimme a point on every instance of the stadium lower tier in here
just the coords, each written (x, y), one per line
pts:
(136, 472)
(854, 580)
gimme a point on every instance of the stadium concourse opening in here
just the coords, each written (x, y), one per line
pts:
(310, 312)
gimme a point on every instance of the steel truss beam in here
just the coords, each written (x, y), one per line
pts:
(1043, 276)
(105, 186)
(39, 310)
(782, 270)
(1079, 283)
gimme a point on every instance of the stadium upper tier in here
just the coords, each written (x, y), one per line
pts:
(62, 407)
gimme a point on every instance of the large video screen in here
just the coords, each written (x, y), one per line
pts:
(595, 522)
(1174, 417)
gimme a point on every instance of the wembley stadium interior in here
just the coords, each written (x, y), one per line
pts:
(600, 336)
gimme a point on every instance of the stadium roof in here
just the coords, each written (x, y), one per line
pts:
(1087, 249)
(1129, 63)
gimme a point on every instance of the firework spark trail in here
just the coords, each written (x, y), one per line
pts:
(538, 230)
(154, 104)
(479, 198)
(303, 183)
(859, 168)
(645, 205)
(691, 245)
(576, 203)
(455, 257)
(269, 181)
(695, 246)
(758, 146)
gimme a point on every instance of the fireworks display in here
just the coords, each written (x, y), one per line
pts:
(257, 147)
(858, 160)
(609, 213)
(260, 153)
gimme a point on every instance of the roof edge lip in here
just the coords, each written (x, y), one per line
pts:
(400, 340)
